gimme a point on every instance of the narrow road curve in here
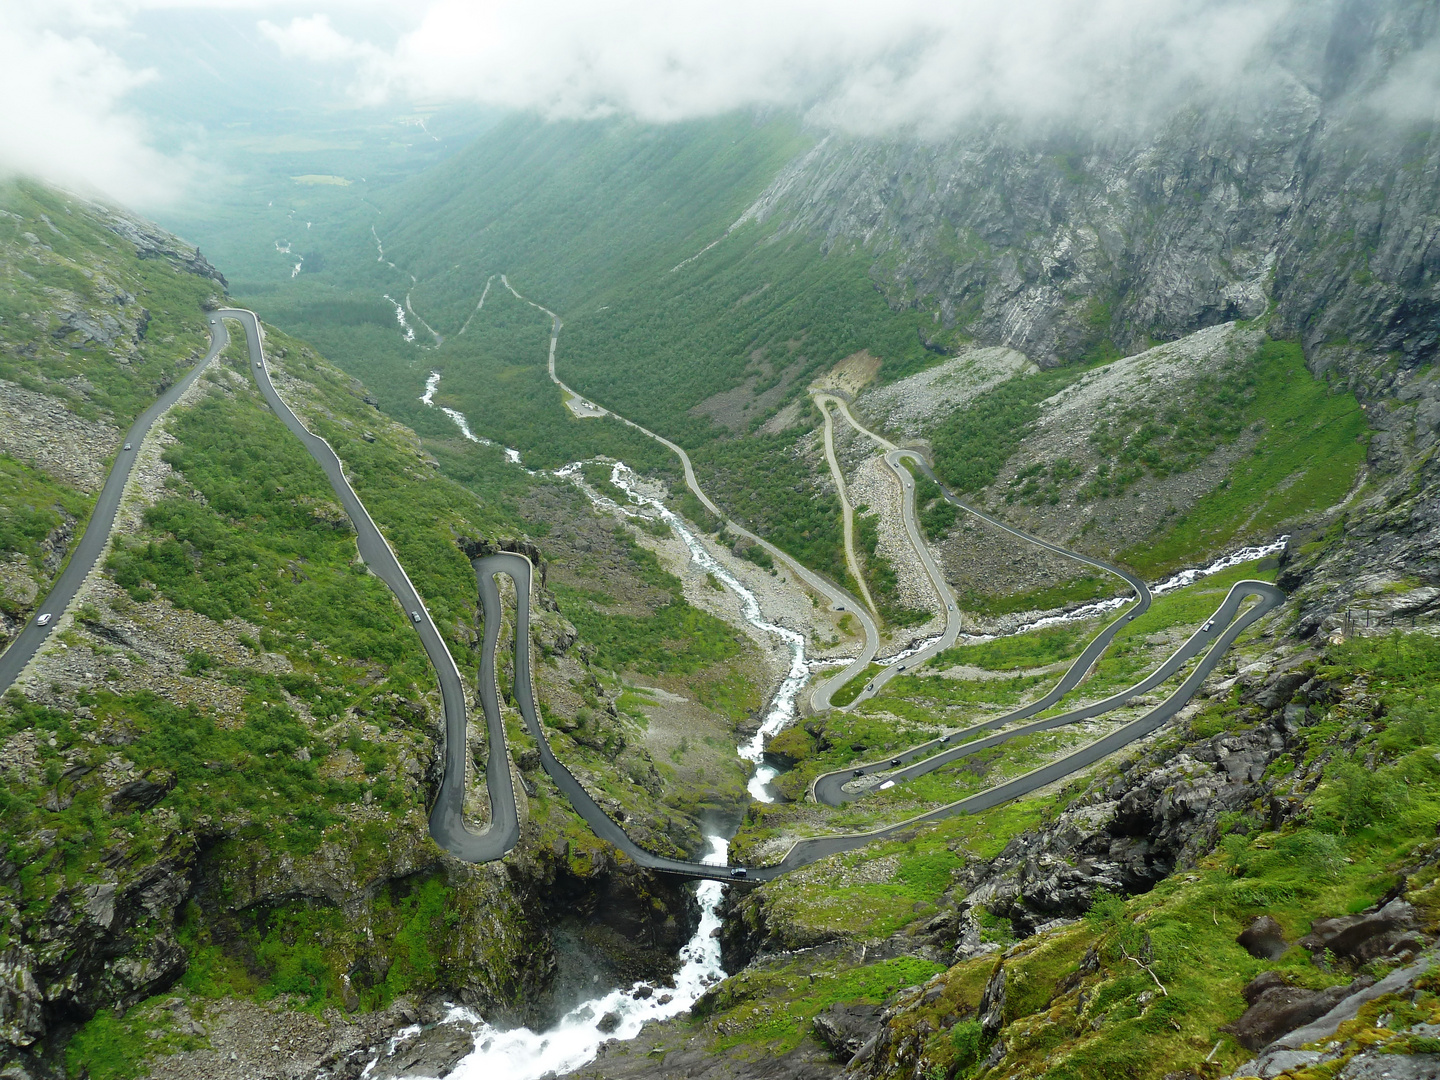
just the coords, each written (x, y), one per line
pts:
(804, 852)
(1217, 636)
(821, 696)
(447, 824)
(847, 511)
(844, 785)
(840, 599)
(895, 457)
(97, 531)
(519, 569)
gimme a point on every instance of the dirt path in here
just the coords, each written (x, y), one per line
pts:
(823, 402)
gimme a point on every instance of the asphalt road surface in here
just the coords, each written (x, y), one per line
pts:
(97, 532)
(447, 823)
(446, 820)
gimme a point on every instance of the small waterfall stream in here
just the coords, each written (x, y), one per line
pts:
(523, 1054)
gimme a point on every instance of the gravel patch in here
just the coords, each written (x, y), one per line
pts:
(38, 430)
(910, 405)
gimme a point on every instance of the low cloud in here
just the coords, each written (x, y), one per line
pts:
(64, 116)
(863, 66)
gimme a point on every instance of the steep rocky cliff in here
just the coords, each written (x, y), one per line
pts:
(1307, 199)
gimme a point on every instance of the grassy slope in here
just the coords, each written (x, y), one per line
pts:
(1311, 447)
(1339, 855)
(74, 260)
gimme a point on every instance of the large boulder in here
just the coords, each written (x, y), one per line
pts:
(1264, 939)
(1277, 1008)
(1362, 938)
(846, 1028)
(431, 1054)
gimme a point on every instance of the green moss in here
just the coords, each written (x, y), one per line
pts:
(1311, 445)
(773, 1010)
(1033, 649)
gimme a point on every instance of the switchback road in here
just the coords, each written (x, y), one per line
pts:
(446, 819)
(447, 823)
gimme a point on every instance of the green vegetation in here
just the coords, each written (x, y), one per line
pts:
(763, 480)
(32, 506)
(1041, 482)
(934, 513)
(266, 544)
(300, 949)
(973, 444)
(675, 638)
(1086, 588)
(1035, 648)
(589, 220)
(113, 1047)
(851, 690)
(880, 573)
(76, 264)
(1310, 447)
(1083, 589)
(752, 1019)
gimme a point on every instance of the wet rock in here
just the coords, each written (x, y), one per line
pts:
(1263, 939)
(138, 795)
(430, 1053)
(1280, 688)
(1376, 1066)
(643, 992)
(992, 1004)
(1277, 1008)
(1362, 938)
(608, 1023)
(846, 1028)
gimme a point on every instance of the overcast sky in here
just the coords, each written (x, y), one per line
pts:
(80, 77)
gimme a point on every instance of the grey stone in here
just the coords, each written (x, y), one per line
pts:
(431, 1053)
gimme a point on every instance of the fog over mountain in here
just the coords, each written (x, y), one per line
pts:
(114, 78)
(651, 540)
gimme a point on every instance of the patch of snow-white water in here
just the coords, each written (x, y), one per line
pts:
(522, 1054)
(295, 270)
(782, 705)
(431, 385)
(400, 318)
(1170, 584)
(905, 654)
(1235, 558)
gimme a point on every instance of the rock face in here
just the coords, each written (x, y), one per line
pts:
(1277, 1008)
(430, 1053)
(1039, 242)
(1306, 197)
(846, 1028)
(152, 242)
(1362, 938)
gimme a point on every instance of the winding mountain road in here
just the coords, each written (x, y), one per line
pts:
(895, 457)
(446, 820)
(840, 599)
(847, 510)
(447, 824)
